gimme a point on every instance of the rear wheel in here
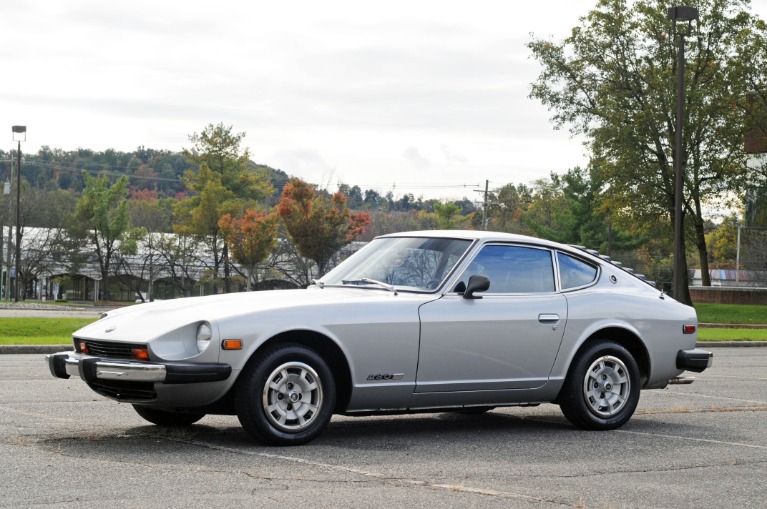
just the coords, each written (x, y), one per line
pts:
(166, 417)
(601, 390)
(287, 397)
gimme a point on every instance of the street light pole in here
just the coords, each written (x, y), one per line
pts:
(10, 234)
(7, 261)
(19, 134)
(680, 13)
(737, 259)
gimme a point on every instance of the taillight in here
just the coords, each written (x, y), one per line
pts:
(688, 329)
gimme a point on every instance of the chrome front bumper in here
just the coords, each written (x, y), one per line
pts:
(91, 369)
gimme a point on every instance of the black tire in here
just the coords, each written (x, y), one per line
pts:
(287, 396)
(166, 417)
(601, 390)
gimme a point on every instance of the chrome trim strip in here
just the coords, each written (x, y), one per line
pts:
(130, 371)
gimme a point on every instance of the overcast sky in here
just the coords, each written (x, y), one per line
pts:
(412, 96)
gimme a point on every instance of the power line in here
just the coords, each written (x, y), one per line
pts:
(103, 172)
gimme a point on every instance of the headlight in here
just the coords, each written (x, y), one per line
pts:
(204, 334)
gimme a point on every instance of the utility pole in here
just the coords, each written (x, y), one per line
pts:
(484, 207)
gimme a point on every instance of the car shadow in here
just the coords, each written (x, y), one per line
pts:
(463, 433)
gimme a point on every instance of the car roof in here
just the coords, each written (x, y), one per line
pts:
(483, 236)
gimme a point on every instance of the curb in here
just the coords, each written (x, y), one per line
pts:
(729, 344)
(732, 325)
(27, 349)
(46, 349)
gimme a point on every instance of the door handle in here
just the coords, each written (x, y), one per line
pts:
(548, 318)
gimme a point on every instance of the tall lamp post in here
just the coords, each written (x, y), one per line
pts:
(19, 135)
(680, 14)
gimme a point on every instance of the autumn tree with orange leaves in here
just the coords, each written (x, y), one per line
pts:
(319, 225)
(250, 238)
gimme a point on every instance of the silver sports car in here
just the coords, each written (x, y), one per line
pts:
(421, 321)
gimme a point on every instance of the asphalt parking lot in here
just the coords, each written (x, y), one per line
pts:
(700, 445)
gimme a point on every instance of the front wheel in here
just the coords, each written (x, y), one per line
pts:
(601, 390)
(166, 417)
(287, 397)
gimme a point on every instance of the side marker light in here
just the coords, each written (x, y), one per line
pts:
(231, 344)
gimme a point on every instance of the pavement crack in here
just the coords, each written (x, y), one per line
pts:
(732, 462)
(688, 410)
(380, 477)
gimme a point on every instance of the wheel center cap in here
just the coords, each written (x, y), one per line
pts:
(293, 396)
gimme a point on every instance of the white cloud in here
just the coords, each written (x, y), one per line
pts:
(323, 90)
(415, 158)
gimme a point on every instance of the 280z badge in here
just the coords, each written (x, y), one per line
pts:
(386, 376)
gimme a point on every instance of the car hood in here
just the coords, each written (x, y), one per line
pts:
(144, 322)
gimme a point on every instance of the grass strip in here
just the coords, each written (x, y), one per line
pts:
(732, 334)
(39, 331)
(732, 313)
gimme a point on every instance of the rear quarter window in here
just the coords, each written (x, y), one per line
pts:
(574, 272)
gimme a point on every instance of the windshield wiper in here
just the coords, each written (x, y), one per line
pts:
(319, 283)
(368, 281)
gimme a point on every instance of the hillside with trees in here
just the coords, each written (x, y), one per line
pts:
(209, 215)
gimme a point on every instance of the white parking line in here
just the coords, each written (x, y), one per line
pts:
(737, 377)
(713, 397)
(707, 440)
(377, 475)
(33, 414)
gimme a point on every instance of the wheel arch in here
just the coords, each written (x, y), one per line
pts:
(328, 349)
(628, 340)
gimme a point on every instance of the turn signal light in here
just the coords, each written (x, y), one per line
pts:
(689, 329)
(83, 347)
(141, 354)
(231, 344)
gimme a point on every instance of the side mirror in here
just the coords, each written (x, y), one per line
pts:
(477, 283)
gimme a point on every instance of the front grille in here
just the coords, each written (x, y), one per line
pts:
(108, 348)
(117, 389)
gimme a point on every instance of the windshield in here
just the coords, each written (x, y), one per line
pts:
(407, 263)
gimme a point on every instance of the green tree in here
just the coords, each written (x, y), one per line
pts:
(613, 80)
(586, 218)
(250, 238)
(101, 215)
(506, 206)
(226, 183)
(319, 225)
(447, 214)
(724, 242)
(177, 257)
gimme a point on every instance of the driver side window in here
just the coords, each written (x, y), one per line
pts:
(513, 269)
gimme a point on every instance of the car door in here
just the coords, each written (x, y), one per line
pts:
(507, 339)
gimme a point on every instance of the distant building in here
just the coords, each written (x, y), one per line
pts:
(729, 278)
